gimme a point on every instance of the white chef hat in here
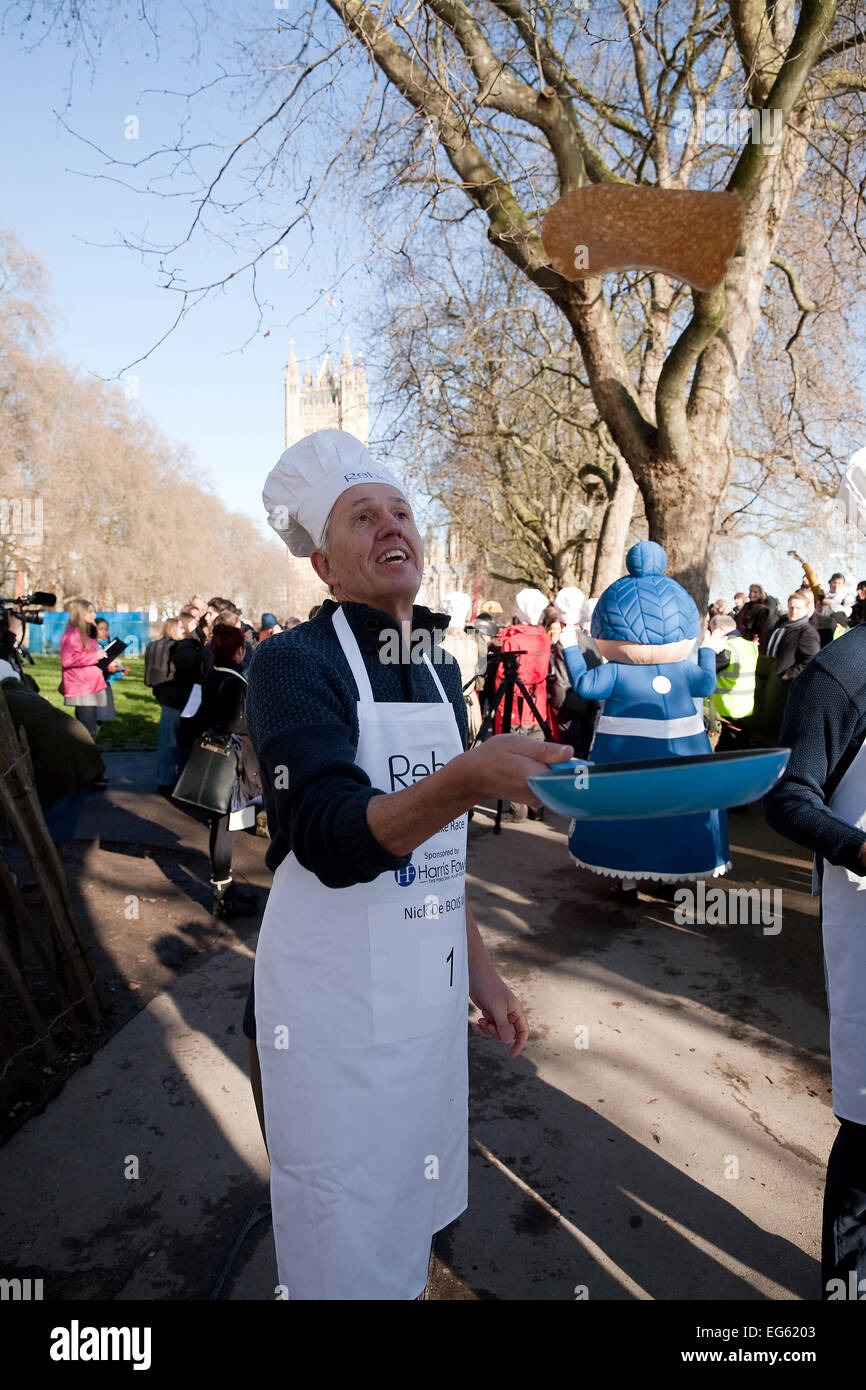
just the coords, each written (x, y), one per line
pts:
(852, 491)
(570, 603)
(457, 607)
(307, 480)
(530, 604)
(587, 612)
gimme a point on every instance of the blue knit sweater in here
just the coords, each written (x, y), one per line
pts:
(302, 718)
(824, 726)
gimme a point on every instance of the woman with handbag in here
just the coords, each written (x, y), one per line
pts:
(221, 731)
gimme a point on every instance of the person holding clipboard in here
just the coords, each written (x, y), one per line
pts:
(84, 667)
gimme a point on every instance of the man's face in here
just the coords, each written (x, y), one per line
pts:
(796, 609)
(376, 555)
(754, 593)
(836, 586)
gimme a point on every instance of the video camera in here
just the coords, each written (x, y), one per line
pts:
(27, 609)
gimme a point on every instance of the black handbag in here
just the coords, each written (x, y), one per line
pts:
(210, 773)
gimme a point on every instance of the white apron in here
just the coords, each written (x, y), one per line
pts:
(843, 915)
(362, 998)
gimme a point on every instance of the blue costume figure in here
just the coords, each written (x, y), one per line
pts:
(645, 625)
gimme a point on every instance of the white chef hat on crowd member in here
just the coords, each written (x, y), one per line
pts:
(852, 491)
(587, 612)
(570, 603)
(457, 607)
(530, 604)
(307, 480)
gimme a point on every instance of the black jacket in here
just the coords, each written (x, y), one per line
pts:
(186, 656)
(825, 725)
(798, 643)
(858, 613)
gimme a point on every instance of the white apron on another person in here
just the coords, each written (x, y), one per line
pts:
(843, 917)
(362, 1000)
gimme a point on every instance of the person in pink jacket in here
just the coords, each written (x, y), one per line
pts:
(83, 683)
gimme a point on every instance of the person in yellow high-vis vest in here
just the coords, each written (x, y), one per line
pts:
(734, 698)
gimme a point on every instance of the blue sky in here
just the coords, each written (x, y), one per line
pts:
(214, 385)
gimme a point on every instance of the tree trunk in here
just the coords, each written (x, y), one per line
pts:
(612, 539)
(681, 511)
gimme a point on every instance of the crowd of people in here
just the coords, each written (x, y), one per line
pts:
(197, 672)
(765, 649)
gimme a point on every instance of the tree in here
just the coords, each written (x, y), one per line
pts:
(124, 518)
(489, 111)
(487, 394)
(510, 103)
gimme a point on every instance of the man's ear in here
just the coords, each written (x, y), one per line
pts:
(322, 566)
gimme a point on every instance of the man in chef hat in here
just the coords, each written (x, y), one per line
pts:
(368, 952)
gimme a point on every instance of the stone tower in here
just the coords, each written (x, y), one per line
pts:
(321, 402)
(326, 401)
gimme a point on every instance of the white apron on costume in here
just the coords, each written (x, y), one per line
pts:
(362, 998)
(843, 915)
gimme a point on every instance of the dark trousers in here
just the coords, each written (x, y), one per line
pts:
(87, 715)
(220, 846)
(843, 1242)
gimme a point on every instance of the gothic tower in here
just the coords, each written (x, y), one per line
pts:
(326, 401)
(321, 402)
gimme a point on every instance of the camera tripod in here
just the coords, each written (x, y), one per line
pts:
(504, 694)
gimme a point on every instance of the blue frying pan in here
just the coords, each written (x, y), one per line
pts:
(663, 787)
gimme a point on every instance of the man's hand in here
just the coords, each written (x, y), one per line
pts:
(402, 820)
(502, 1013)
(501, 766)
(716, 639)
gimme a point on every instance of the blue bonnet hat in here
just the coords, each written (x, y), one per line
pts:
(646, 605)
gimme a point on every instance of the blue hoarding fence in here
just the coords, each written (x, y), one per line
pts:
(133, 628)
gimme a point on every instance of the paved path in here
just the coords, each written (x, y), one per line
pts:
(678, 1154)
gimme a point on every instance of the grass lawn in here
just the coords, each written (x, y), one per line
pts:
(137, 719)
